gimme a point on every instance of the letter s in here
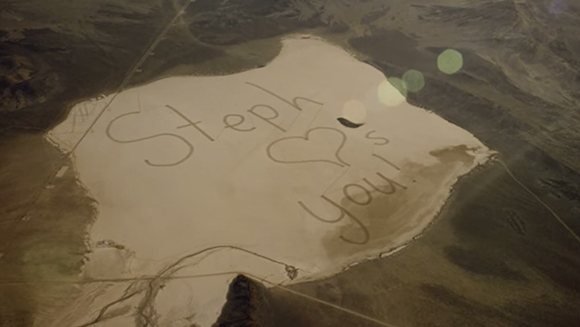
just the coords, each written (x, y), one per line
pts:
(189, 152)
(383, 141)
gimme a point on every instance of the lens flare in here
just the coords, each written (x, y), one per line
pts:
(392, 92)
(450, 61)
(557, 7)
(414, 80)
(354, 111)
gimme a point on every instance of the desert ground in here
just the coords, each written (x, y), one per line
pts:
(494, 243)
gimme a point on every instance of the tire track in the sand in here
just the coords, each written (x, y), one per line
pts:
(554, 214)
(146, 308)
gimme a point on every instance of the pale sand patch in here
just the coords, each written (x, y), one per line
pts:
(167, 191)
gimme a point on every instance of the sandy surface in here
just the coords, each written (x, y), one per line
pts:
(257, 161)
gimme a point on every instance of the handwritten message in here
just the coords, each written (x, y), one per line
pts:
(269, 115)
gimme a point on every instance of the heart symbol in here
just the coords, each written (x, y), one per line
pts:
(339, 161)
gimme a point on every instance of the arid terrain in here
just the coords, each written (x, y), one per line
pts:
(503, 251)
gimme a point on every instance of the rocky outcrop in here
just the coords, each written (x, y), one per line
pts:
(242, 308)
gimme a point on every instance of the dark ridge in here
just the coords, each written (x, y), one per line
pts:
(243, 302)
(482, 263)
(347, 123)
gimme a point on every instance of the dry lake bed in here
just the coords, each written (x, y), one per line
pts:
(253, 173)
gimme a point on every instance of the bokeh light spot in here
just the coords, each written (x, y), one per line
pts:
(398, 84)
(414, 80)
(557, 7)
(450, 61)
(392, 92)
(354, 111)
